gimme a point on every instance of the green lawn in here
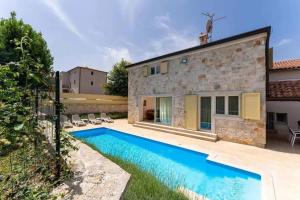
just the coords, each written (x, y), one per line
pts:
(143, 185)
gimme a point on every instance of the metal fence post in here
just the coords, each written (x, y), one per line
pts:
(57, 124)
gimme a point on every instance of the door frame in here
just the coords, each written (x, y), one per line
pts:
(211, 113)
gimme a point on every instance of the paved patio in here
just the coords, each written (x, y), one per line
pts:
(278, 163)
(95, 177)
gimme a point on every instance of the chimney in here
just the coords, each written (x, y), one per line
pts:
(203, 38)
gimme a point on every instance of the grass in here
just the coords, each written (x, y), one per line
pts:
(143, 185)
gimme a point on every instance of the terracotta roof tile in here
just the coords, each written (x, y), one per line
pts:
(284, 89)
(286, 64)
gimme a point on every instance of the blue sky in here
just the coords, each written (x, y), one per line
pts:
(98, 33)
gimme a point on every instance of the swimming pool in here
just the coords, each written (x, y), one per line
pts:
(176, 166)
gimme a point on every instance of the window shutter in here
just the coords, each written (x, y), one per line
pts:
(251, 106)
(146, 70)
(191, 112)
(164, 67)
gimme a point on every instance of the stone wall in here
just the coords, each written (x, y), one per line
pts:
(233, 67)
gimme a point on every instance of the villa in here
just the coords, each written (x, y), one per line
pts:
(214, 90)
(83, 80)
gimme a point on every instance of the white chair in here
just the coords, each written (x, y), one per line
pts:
(106, 118)
(77, 121)
(93, 120)
(294, 134)
(65, 122)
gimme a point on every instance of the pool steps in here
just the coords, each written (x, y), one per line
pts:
(178, 131)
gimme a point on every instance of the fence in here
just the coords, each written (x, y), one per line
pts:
(91, 103)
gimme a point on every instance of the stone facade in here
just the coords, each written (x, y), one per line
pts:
(229, 68)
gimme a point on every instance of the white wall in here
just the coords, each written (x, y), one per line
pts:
(284, 75)
(292, 108)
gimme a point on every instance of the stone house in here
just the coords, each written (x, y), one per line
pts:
(283, 102)
(83, 80)
(217, 89)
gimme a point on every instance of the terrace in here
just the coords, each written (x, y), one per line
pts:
(276, 163)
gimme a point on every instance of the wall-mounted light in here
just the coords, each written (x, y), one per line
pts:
(184, 60)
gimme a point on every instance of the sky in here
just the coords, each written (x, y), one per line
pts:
(99, 33)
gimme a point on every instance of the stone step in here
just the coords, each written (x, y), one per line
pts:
(177, 129)
(199, 135)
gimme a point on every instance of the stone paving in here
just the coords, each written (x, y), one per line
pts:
(278, 163)
(96, 177)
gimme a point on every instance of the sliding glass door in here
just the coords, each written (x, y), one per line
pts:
(205, 113)
(163, 112)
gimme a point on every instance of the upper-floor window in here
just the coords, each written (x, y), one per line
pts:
(233, 105)
(74, 81)
(92, 83)
(157, 69)
(220, 105)
(152, 70)
(92, 73)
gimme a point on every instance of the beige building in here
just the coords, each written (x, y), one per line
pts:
(216, 89)
(83, 80)
(283, 105)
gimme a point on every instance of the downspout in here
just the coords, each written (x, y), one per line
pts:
(267, 61)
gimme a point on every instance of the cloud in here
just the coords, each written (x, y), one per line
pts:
(171, 40)
(283, 42)
(62, 16)
(162, 21)
(110, 56)
(130, 9)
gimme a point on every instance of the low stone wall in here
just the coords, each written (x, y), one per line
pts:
(93, 108)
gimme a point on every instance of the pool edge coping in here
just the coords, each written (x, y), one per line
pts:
(267, 184)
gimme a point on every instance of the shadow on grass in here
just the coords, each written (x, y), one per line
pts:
(142, 184)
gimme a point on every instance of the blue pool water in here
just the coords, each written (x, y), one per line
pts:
(177, 166)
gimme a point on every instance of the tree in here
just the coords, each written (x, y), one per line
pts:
(17, 41)
(117, 83)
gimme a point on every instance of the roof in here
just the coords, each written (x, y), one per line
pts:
(286, 64)
(87, 68)
(217, 42)
(284, 90)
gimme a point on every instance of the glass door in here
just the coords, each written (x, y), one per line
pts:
(205, 113)
(163, 112)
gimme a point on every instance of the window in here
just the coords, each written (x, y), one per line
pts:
(233, 105)
(74, 81)
(157, 69)
(92, 83)
(92, 73)
(220, 105)
(281, 117)
(152, 70)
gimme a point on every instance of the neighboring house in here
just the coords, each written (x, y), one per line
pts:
(218, 88)
(283, 105)
(83, 80)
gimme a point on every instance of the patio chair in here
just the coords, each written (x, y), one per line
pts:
(93, 120)
(77, 121)
(65, 122)
(294, 134)
(106, 118)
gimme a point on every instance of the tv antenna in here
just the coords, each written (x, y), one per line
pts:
(210, 24)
